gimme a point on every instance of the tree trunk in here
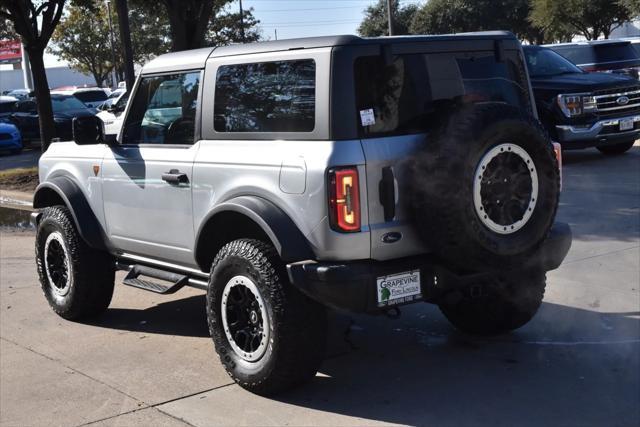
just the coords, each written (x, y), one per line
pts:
(43, 98)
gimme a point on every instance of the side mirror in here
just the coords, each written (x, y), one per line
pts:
(88, 130)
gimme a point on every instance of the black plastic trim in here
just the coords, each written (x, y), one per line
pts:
(86, 222)
(352, 285)
(288, 240)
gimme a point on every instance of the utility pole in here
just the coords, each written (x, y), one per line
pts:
(275, 30)
(125, 36)
(242, 23)
(390, 16)
(114, 76)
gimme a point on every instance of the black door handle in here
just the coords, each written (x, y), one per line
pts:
(174, 176)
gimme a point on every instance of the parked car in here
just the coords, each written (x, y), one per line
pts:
(10, 138)
(112, 113)
(21, 94)
(65, 108)
(611, 56)
(91, 97)
(339, 171)
(8, 105)
(581, 109)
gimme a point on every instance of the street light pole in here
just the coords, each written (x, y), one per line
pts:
(114, 75)
(390, 17)
(242, 23)
(125, 36)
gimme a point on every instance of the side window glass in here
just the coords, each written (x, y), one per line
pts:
(266, 97)
(163, 110)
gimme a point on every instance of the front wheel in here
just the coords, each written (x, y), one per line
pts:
(619, 148)
(497, 305)
(76, 279)
(269, 336)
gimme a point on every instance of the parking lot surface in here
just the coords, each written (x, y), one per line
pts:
(149, 360)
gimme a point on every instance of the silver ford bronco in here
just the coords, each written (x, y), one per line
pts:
(284, 177)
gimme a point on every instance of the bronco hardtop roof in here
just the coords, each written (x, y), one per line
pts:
(195, 59)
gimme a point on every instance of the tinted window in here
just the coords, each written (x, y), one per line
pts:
(66, 103)
(91, 96)
(7, 107)
(407, 95)
(266, 97)
(585, 54)
(163, 110)
(545, 62)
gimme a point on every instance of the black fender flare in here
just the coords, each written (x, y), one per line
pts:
(291, 244)
(86, 222)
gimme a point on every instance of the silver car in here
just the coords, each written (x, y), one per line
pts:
(289, 176)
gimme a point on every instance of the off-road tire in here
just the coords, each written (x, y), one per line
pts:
(619, 148)
(91, 273)
(297, 324)
(443, 176)
(496, 305)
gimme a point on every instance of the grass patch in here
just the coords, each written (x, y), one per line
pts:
(19, 179)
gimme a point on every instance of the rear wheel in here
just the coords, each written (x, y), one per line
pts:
(496, 305)
(619, 148)
(269, 336)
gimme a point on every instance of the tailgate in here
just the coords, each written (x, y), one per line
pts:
(392, 235)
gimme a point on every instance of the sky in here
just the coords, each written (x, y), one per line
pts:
(307, 18)
(299, 18)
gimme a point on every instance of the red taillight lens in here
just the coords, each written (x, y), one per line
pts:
(344, 199)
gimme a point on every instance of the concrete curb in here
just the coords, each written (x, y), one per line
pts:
(16, 200)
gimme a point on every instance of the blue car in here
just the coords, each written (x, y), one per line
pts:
(10, 138)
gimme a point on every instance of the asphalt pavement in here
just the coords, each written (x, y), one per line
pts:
(28, 158)
(150, 361)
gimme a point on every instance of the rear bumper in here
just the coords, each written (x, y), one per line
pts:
(602, 132)
(352, 286)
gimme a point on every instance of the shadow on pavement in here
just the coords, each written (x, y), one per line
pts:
(568, 366)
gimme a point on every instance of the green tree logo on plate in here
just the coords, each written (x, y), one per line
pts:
(385, 294)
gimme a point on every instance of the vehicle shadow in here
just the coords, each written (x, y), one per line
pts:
(568, 366)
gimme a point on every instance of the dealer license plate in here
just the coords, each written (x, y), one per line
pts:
(626, 124)
(399, 288)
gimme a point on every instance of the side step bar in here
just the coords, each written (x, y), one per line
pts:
(177, 280)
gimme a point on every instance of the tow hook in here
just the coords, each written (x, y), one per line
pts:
(393, 313)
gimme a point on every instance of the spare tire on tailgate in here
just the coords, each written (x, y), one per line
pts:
(486, 188)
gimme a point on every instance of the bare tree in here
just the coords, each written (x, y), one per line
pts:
(35, 22)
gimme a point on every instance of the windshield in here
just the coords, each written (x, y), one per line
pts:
(545, 62)
(64, 103)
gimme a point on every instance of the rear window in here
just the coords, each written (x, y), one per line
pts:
(585, 54)
(405, 96)
(91, 96)
(266, 97)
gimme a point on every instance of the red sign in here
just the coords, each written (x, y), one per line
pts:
(10, 51)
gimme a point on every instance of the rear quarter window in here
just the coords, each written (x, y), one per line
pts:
(277, 96)
(407, 95)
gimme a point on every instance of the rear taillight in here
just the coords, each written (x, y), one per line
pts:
(344, 199)
(557, 148)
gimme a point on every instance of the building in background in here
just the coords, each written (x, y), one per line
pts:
(57, 76)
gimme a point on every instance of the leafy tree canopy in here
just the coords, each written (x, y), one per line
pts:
(375, 22)
(589, 18)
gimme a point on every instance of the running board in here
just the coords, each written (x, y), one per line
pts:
(178, 280)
